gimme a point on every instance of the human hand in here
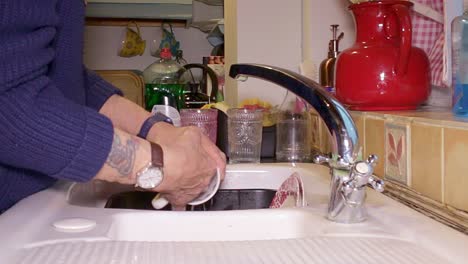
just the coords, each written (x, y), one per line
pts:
(166, 134)
(190, 161)
(159, 202)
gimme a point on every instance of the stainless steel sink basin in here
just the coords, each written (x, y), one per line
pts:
(224, 199)
(243, 188)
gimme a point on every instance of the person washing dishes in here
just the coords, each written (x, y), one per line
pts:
(59, 120)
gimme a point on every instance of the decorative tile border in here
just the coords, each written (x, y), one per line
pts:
(453, 218)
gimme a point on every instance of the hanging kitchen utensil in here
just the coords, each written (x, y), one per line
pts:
(132, 43)
(168, 40)
(196, 97)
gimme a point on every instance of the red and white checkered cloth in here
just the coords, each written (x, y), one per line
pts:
(428, 35)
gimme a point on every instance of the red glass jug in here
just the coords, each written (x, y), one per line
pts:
(382, 71)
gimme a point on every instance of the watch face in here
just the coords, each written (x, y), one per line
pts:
(150, 178)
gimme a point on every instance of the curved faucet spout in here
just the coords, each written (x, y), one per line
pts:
(337, 119)
(349, 176)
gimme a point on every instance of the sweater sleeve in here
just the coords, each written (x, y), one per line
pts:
(98, 89)
(47, 133)
(40, 129)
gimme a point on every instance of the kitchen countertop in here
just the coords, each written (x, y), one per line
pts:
(393, 232)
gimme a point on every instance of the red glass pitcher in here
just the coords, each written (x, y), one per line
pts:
(382, 71)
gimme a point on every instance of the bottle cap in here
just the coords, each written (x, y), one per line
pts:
(165, 53)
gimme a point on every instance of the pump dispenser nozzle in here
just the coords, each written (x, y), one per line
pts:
(333, 48)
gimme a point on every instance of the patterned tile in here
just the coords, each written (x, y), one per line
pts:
(396, 152)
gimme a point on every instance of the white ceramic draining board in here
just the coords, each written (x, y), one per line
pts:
(337, 250)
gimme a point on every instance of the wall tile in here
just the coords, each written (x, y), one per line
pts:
(456, 168)
(426, 160)
(374, 142)
(359, 120)
(396, 151)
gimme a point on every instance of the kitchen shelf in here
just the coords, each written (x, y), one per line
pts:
(212, 2)
(140, 9)
(123, 22)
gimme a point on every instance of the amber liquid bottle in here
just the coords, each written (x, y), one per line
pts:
(327, 67)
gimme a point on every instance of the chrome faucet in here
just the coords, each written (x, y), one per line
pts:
(350, 176)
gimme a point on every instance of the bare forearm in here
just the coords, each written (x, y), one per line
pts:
(129, 117)
(124, 114)
(128, 154)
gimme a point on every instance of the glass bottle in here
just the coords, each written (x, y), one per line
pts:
(460, 65)
(163, 85)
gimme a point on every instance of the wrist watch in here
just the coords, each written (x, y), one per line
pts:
(151, 175)
(150, 121)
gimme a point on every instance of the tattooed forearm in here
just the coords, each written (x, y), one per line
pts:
(122, 156)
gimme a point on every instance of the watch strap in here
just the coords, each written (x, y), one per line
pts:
(150, 121)
(157, 157)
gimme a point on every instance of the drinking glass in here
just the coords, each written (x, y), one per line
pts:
(244, 135)
(205, 119)
(293, 137)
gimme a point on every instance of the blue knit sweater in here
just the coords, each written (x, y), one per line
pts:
(50, 127)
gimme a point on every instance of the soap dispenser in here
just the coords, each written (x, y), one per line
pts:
(327, 67)
(163, 85)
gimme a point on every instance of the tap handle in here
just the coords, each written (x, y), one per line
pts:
(336, 163)
(376, 183)
(321, 159)
(362, 174)
(365, 168)
(372, 160)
